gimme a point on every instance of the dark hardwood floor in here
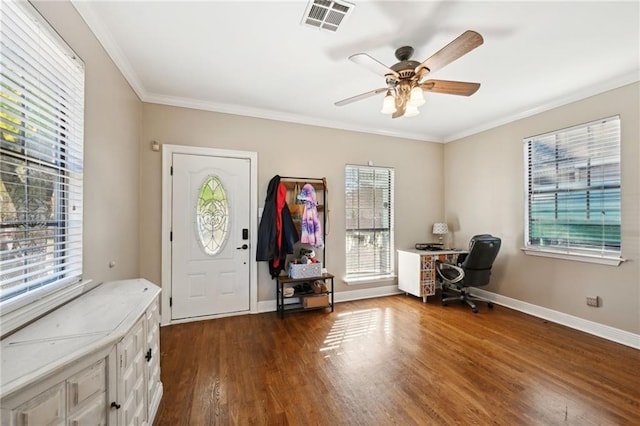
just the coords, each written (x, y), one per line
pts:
(395, 360)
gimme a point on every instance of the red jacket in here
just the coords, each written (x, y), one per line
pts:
(277, 234)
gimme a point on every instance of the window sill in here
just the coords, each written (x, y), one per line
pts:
(371, 279)
(610, 260)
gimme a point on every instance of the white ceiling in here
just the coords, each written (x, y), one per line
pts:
(256, 59)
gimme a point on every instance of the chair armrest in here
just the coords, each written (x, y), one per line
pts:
(444, 265)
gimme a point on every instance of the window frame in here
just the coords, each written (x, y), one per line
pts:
(572, 249)
(359, 277)
(43, 95)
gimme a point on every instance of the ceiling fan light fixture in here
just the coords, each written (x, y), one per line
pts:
(388, 104)
(403, 78)
(411, 111)
(416, 98)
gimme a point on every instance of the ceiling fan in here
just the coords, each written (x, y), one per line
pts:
(404, 91)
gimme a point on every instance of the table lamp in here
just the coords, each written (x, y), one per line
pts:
(440, 229)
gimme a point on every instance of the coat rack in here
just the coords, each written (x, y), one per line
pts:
(294, 185)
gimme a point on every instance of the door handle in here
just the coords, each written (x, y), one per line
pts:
(243, 247)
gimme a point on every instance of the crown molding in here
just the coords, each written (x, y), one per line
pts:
(105, 38)
(278, 116)
(596, 89)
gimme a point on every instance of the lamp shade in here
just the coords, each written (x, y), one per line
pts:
(440, 228)
(416, 98)
(411, 111)
(389, 104)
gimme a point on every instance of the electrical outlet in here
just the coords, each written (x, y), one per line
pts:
(593, 301)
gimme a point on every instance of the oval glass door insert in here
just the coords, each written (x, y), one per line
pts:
(212, 216)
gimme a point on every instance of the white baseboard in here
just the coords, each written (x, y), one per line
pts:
(342, 296)
(597, 329)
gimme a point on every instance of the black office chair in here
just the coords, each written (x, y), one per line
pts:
(472, 270)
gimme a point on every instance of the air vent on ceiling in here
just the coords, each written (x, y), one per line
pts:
(326, 14)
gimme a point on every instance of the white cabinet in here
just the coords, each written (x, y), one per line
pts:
(78, 399)
(152, 356)
(131, 371)
(94, 361)
(417, 270)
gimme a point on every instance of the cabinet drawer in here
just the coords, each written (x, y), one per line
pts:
(45, 409)
(94, 413)
(86, 384)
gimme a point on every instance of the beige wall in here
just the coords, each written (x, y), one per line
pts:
(482, 176)
(111, 134)
(484, 192)
(292, 150)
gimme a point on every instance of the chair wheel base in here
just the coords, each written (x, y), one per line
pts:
(465, 297)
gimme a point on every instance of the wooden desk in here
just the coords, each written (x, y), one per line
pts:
(417, 270)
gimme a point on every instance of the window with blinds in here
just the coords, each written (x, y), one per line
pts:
(41, 150)
(573, 189)
(369, 221)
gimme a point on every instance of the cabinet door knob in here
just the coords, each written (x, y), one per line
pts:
(115, 405)
(148, 355)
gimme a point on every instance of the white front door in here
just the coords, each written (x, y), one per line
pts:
(210, 225)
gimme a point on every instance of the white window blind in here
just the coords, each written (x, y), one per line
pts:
(369, 221)
(573, 189)
(41, 150)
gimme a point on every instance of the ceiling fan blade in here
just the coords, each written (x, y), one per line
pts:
(462, 45)
(360, 97)
(461, 88)
(372, 64)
